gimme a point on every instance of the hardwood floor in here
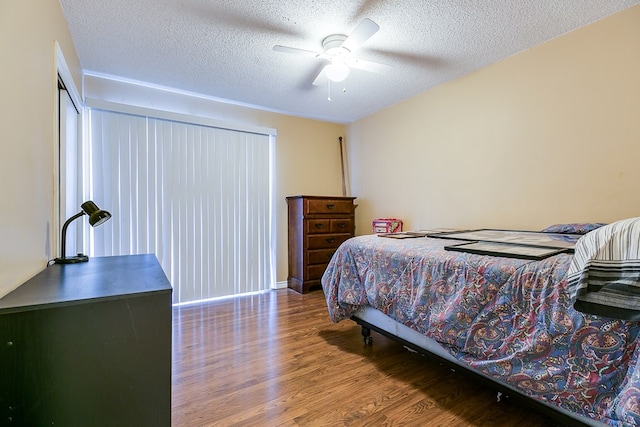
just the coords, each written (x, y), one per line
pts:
(276, 359)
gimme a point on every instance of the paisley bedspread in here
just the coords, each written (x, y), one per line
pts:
(511, 319)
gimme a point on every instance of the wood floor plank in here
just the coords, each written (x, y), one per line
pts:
(276, 359)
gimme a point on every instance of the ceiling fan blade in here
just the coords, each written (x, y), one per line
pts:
(321, 78)
(365, 29)
(373, 67)
(296, 51)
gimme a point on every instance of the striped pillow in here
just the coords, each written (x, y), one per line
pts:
(604, 276)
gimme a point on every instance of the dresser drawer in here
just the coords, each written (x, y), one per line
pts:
(326, 241)
(320, 256)
(319, 226)
(327, 206)
(341, 225)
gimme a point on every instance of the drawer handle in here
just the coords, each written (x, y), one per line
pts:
(330, 254)
(341, 225)
(331, 206)
(330, 240)
(319, 225)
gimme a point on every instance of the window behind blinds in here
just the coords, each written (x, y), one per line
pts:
(197, 196)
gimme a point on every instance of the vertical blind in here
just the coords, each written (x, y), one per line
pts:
(196, 196)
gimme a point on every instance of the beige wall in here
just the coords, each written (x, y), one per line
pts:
(307, 151)
(28, 29)
(549, 135)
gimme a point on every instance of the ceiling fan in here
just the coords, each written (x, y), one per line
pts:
(337, 51)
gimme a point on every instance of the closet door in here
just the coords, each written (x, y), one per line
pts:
(69, 169)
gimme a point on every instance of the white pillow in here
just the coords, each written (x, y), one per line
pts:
(604, 275)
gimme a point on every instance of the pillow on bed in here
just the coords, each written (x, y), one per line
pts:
(604, 275)
(575, 228)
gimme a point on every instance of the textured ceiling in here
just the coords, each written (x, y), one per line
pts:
(223, 48)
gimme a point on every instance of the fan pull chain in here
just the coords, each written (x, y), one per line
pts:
(344, 88)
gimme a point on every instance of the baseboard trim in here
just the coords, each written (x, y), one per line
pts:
(281, 285)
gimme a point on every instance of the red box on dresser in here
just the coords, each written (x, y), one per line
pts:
(386, 225)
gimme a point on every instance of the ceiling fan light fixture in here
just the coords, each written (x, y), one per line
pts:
(337, 71)
(336, 50)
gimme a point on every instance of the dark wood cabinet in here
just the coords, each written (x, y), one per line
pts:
(88, 344)
(317, 226)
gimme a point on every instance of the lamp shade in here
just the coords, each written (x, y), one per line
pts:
(97, 216)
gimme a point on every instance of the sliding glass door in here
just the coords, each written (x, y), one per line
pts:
(197, 196)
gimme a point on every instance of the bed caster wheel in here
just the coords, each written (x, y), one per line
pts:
(366, 335)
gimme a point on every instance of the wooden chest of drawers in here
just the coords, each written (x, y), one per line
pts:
(317, 226)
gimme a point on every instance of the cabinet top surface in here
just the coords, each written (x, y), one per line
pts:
(322, 197)
(101, 278)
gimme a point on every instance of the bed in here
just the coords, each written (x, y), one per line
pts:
(512, 322)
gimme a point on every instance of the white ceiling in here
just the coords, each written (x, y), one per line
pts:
(223, 48)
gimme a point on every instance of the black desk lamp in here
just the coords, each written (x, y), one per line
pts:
(96, 217)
